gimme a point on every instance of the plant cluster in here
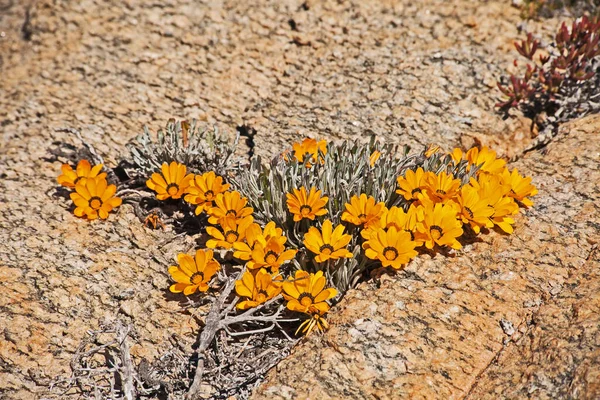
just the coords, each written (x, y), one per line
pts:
(560, 79)
(285, 240)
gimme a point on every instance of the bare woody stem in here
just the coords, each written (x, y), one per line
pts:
(207, 335)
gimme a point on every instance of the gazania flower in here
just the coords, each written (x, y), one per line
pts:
(520, 187)
(487, 159)
(257, 288)
(94, 197)
(193, 274)
(232, 230)
(329, 243)
(473, 210)
(70, 178)
(308, 150)
(397, 218)
(440, 225)
(172, 183)
(306, 293)
(304, 205)
(254, 235)
(229, 204)
(315, 321)
(411, 184)
(204, 189)
(441, 187)
(272, 255)
(493, 191)
(363, 211)
(374, 157)
(393, 247)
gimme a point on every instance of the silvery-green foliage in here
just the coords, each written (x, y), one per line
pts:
(345, 172)
(200, 147)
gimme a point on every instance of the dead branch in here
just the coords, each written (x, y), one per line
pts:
(127, 370)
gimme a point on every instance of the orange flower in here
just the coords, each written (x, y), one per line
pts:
(304, 205)
(487, 159)
(411, 184)
(254, 234)
(520, 187)
(229, 204)
(84, 170)
(440, 225)
(363, 211)
(204, 189)
(441, 187)
(193, 274)
(392, 247)
(306, 293)
(308, 150)
(272, 255)
(94, 198)
(329, 243)
(232, 230)
(257, 288)
(172, 183)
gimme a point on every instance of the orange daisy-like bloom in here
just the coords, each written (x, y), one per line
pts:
(363, 211)
(232, 231)
(70, 178)
(393, 247)
(411, 184)
(94, 197)
(172, 183)
(229, 204)
(328, 243)
(474, 210)
(487, 159)
(441, 187)
(204, 189)
(440, 225)
(520, 187)
(303, 205)
(272, 255)
(396, 217)
(193, 274)
(493, 191)
(306, 293)
(308, 150)
(257, 288)
(254, 235)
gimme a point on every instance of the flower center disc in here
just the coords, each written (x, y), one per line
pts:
(271, 257)
(436, 232)
(209, 195)
(231, 212)
(363, 218)
(172, 189)
(262, 296)
(305, 210)
(390, 253)
(95, 202)
(196, 278)
(231, 236)
(326, 249)
(306, 299)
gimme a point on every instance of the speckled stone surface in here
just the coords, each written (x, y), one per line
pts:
(509, 317)
(411, 72)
